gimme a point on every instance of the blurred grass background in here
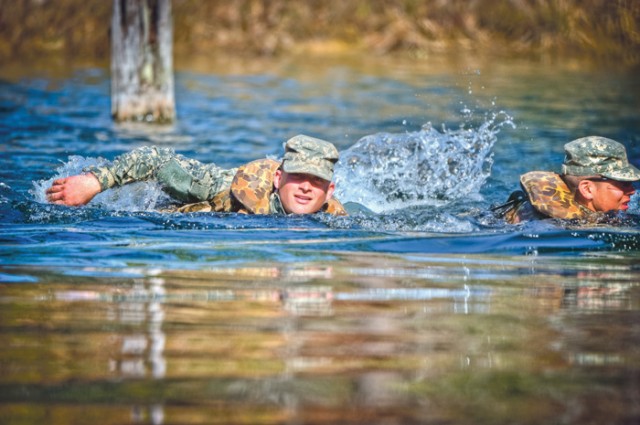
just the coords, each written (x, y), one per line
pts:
(598, 30)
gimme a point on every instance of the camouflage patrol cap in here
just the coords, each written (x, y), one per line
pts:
(308, 155)
(595, 155)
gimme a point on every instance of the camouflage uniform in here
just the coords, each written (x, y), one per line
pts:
(207, 187)
(545, 194)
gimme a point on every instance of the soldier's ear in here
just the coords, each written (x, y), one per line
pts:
(330, 190)
(586, 189)
(277, 178)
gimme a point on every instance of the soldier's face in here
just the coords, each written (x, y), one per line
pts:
(611, 195)
(302, 193)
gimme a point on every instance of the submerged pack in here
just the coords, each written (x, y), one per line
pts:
(544, 195)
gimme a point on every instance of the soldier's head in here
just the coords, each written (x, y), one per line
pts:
(304, 179)
(599, 173)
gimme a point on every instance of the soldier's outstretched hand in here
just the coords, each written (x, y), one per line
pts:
(74, 190)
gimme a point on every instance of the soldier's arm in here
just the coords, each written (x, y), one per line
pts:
(185, 179)
(138, 165)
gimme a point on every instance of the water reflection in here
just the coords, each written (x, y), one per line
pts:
(141, 353)
(357, 340)
(111, 316)
(308, 301)
(597, 297)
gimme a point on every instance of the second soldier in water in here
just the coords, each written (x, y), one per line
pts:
(596, 179)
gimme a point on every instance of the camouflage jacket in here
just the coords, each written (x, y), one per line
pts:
(202, 187)
(544, 195)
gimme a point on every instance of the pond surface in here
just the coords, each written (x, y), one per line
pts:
(420, 307)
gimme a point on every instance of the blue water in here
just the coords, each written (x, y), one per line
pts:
(405, 127)
(419, 307)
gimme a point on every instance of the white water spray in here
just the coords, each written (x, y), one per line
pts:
(385, 171)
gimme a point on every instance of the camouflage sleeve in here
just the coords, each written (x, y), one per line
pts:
(185, 179)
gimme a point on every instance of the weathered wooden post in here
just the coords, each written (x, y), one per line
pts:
(141, 61)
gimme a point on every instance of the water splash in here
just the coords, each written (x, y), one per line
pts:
(139, 196)
(386, 171)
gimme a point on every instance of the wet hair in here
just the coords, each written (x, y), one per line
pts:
(572, 182)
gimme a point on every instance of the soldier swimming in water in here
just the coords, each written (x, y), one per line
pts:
(299, 184)
(596, 178)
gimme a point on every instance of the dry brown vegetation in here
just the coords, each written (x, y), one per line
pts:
(607, 30)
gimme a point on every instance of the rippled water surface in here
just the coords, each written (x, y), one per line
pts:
(420, 307)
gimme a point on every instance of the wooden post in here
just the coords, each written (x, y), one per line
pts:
(141, 61)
